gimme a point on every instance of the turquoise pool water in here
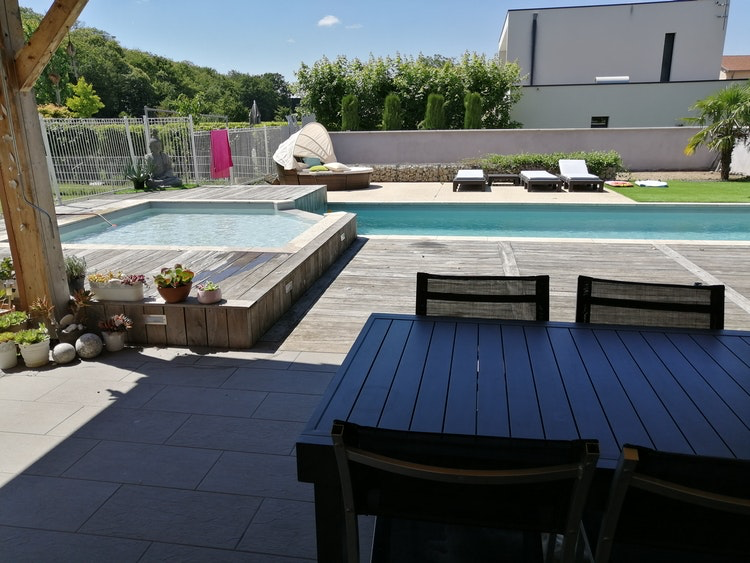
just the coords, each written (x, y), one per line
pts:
(666, 222)
(225, 224)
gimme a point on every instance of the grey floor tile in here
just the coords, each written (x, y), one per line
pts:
(181, 374)
(37, 546)
(318, 361)
(199, 400)
(32, 417)
(51, 503)
(282, 381)
(257, 474)
(287, 406)
(56, 460)
(145, 464)
(174, 516)
(132, 425)
(25, 388)
(238, 434)
(20, 450)
(159, 552)
(98, 392)
(283, 527)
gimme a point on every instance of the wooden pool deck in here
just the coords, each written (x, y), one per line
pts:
(258, 285)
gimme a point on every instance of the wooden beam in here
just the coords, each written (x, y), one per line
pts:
(36, 53)
(25, 191)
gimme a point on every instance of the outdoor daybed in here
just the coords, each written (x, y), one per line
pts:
(307, 157)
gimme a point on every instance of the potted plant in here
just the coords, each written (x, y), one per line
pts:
(112, 286)
(14, 321)
(174, 284)
(34, 345)
(114, 330)
(8, 279)
(75, 270)
(138, 171)
(208, 292)
(8, 350)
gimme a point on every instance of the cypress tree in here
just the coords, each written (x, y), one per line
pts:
(350, 113)
(473, 113)
(434, 117)
(392, 116)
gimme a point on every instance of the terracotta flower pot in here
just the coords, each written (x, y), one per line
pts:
(175, 294)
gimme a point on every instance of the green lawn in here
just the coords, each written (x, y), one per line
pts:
(737, 191)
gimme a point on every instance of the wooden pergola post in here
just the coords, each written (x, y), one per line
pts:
(25, 191)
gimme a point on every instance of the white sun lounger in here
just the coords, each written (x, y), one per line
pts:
(539, 179)
(466, 177)
(575, 174)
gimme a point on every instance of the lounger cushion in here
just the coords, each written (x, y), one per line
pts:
(337, 167)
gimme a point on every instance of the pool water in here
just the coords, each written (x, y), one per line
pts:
(235, 224)
(665, 222)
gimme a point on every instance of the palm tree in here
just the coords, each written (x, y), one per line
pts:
(725, 118)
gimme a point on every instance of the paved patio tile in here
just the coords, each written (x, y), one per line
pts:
(181, 374)
(129, 425)
(226, 402)
(175, 516)
(144, 464)
(238, 434)
(287, 406)
(51, 503)
(25, 388)
(282, 527)
(40, 454)
(283, 381)
(159, 552)
(32, 417)
(98, 392)
(39, 546)
(318, 361)
(257, 474)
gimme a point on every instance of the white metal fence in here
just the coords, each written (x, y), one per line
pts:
(96, 152)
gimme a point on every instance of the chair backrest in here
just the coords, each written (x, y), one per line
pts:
(572, 167)
(676, 507)
(605, 301)
(515, 484)
(489, 297)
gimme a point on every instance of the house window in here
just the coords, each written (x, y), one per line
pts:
(600, 122)
(666, 58)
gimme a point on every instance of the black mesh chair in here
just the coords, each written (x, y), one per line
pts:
(489, 297)
(616, 302)
(456, 493)
(676, 507)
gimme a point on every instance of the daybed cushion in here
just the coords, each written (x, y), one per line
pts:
(337, 167)
(318, 168)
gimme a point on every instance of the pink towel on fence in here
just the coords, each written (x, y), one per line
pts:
(221, 154)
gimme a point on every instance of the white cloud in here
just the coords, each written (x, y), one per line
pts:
(355, 26)
(328, 21)
(291, 40)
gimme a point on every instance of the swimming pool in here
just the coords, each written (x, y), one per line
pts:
(235, 224)
(639, 221)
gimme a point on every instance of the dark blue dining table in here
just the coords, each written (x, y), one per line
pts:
(672, 390)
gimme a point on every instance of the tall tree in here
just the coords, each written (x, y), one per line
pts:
(725, 118)
(473, 111)
(434, 116)
(392, 117)
(350, 113)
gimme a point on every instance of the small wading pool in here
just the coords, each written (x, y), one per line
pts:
(600, 221)
(236, 224)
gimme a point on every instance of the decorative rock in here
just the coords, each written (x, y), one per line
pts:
(67, 320)
(89, 346)
(64, 353)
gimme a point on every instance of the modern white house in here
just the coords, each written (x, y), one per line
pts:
(619, 65)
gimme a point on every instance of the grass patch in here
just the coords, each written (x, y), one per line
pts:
(680, 191)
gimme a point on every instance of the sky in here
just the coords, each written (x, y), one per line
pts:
(256, 37)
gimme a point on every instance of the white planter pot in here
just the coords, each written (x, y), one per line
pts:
(8, 355)
(207, 297)
(114, 341)
(116, 291)
(35, 355)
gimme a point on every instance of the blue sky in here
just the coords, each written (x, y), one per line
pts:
(257, 37)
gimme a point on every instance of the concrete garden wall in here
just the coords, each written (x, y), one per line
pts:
(642, 149)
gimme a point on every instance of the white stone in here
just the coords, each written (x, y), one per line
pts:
(67, 320)
(63, 353)
(89, 345)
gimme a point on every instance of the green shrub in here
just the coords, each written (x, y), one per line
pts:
(393, 118)
(350, 113)
(473, 111)
(434, 117)
(605, 164)
(12, 319)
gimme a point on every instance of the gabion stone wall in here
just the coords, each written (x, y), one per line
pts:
(413, 172)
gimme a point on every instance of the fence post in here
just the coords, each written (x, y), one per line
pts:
(266, 156)
(130, 140)
(192, 148)
(50, 163)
